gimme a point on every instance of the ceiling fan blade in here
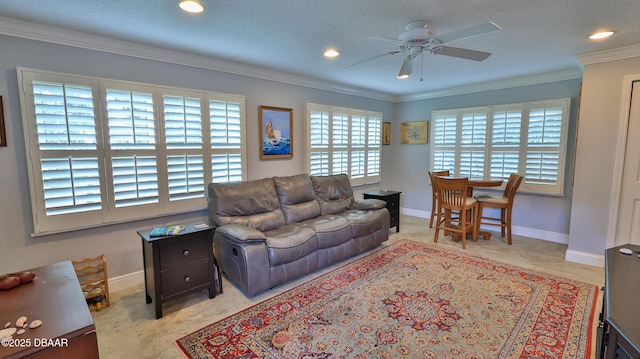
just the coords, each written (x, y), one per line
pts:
(471, 31)
(461, 53)
(384, 38)
(375, 57)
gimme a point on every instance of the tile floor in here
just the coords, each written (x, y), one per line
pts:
(127, 329)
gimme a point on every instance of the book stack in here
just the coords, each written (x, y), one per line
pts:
(166, 231)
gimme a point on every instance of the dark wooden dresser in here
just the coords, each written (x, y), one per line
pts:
(393, 204)
(55, 298)
(619, 329)
(180, 264)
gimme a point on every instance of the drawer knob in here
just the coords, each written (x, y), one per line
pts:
(186, 252)
(187, 278)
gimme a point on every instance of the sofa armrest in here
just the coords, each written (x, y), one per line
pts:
(240, 233)
(369, 203)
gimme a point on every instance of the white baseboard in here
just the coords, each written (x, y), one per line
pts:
(590, 259)
(415, 213)
(563, 238)
(126, 281)
(520, 231)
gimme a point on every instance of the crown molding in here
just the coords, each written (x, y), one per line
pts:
(60, 36)
(620, 53)
(536, 79)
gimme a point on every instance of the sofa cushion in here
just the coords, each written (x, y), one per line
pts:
(331, 230)
(297, 198)
(290, 242)
(334, 193)
(362, 222)
(250, 203)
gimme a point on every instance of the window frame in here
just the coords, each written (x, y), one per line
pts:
(444, 147)
(350, 145)
(105, 153)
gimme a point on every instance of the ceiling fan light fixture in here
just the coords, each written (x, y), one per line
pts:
(191, 6)
(406, 69)
(601, 35)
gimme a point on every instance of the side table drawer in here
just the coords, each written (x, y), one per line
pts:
(182, 279)
(392, 202)
(184, 252)
(392, 199)
(394, 218)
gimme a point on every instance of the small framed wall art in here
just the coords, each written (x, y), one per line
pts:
(386, 133)
(414, 132)
(276, 132)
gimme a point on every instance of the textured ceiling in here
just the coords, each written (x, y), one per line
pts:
(290, 36)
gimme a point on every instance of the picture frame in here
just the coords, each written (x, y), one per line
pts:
(3, 133)
(414, 132)
(276, 132)
(386, 133)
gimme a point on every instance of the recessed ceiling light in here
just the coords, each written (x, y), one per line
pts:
(191, 6)
(600, 35)
(331, 53)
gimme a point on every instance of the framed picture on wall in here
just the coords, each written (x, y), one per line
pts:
(414, 132)
(276, 132)
(386, 133)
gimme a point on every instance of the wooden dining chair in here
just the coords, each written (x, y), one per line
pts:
(504, 203)
(452, 198)
(434, 194)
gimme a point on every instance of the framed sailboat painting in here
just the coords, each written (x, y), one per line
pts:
(276, 132)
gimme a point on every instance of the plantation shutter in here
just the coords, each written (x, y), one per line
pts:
(505, 142)
(65, 121)
(358, 142)
(444, 139)
(226, 136)
(495, 141)
(102, 151)
(374, 141)
(543, 143)
(343, 140)
(132, 140)
(183, 137)
(472, 143)
(319, 143)
(340, 141)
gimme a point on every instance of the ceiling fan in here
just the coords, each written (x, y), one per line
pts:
(419, 38)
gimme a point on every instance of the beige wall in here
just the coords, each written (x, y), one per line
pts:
(591, 227)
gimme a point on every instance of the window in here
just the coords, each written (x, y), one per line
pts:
(343, 140)
(493, 142)
(103, 151)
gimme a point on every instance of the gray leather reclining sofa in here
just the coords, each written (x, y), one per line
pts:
(272, 230)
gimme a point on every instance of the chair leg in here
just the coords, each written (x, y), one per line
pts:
(503, 220)
(435, 237)
(463, 226)
(508, 226)
(433, 211)
(473, 213)
(478, 218)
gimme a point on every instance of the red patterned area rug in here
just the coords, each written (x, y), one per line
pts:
(411, 300)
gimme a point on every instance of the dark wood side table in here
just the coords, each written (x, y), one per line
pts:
(178, 265)
(55, 298)
(619, 327)
(393, 204)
